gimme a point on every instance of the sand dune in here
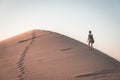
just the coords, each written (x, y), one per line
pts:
(45, 55)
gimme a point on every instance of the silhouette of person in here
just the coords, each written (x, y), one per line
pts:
(90, 40)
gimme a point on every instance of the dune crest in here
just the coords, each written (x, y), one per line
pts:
(45, 55)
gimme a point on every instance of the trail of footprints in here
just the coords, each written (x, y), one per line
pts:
(20, 63)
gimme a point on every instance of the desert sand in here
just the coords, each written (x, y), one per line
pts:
(46, 55)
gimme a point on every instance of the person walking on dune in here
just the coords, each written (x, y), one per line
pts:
(90, 40)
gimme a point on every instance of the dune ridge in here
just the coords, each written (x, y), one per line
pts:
(45, 55)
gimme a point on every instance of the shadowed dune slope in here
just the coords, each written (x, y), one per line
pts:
(45, 55)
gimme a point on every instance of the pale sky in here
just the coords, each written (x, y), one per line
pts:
(73, 18)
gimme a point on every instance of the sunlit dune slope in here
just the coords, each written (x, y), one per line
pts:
(45, 55)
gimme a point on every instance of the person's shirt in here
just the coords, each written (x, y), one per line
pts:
(90, 37)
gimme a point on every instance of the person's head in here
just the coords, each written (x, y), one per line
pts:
(90, 31)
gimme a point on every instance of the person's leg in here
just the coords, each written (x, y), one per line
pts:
(89, 45)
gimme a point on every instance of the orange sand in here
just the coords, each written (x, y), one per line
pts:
(44, 55)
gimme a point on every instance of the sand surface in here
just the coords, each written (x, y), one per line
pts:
(44, 55)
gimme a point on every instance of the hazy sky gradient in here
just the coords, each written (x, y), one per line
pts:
(70, 17)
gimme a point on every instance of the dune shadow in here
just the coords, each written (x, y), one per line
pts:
(97, 73)
(66, 49)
